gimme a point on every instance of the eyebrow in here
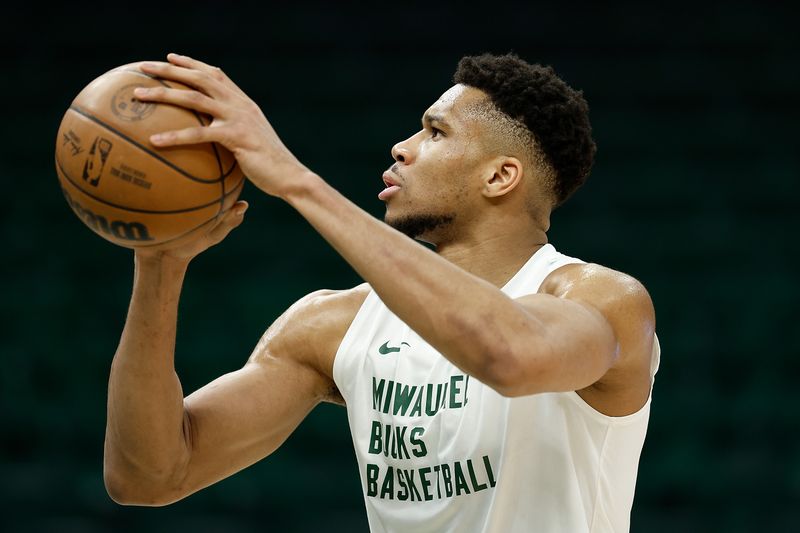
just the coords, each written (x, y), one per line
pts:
(430, 118)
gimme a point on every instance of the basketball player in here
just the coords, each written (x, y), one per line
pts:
(492, 385)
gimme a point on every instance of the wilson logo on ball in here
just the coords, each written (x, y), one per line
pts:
(127, 231)
(96, 160)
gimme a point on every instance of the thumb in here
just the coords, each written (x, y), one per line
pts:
(232, 218)
(239, 207)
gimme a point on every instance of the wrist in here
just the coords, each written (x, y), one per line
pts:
(160, 261)
(301, 186)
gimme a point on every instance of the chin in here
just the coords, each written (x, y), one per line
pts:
(421, 226)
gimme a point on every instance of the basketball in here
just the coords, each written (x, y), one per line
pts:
(121, 186)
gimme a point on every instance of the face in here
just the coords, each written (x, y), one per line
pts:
(434, 184)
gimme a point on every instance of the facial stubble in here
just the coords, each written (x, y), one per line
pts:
(418, 225)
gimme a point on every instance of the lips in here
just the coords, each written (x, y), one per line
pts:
(391, 186)
(388, 179)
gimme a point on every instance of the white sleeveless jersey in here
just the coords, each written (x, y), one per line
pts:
(439, 451)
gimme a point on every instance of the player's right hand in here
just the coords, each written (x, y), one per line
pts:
(186, 248)
(237, 122)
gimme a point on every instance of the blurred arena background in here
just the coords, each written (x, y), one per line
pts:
(694, 192)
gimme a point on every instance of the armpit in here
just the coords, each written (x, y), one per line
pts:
(334, 396)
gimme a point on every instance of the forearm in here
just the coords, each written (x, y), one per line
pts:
(144, 432)
(467, 319)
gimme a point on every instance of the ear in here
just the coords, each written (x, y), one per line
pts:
(506, 175)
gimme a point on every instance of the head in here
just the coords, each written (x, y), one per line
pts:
(509, 140)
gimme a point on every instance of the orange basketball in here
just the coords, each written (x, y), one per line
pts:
(124, 188)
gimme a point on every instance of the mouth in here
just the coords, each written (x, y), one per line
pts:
(389, 180)
(391, 186)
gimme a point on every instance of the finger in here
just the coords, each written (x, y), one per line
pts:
(188, 62)
(238, 209)
(215, 73)
(200, 80)
(200, 134)
(181, 97)
(231, 219)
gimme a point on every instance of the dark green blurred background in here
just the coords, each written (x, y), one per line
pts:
(695, 112)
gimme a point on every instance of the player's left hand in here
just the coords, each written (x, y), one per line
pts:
(238, 123)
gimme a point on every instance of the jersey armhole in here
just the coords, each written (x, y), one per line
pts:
(344, 353)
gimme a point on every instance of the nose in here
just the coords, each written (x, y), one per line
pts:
(401, 152)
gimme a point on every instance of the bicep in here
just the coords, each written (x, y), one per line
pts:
(244, 416)
(570, 345)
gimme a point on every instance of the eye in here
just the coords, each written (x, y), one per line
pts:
(435, 132)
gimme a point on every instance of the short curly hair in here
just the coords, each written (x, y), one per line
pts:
(555, 114)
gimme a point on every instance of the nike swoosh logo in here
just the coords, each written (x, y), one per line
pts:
(385, 348)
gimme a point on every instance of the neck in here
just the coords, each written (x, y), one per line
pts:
(495, 257)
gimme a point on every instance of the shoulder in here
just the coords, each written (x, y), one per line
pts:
(309, 332)
(327, 306)
(314, 323)
(628, 308)
(613, 293)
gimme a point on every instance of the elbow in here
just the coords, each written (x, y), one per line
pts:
(504, 373)
(118, 490)
(504, 359)
(125, 489)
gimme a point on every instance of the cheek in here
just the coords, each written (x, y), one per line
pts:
(452, 185)
(445, 161)
(446, 170)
